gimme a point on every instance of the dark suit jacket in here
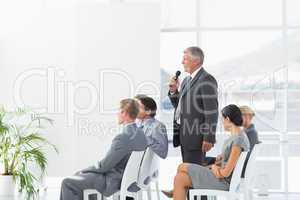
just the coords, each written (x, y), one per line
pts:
(199, 111)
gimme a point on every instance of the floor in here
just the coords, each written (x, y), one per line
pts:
(167, 174)
(53, 194)
(53, 190)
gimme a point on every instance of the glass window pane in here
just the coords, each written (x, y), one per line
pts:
(294, 81)
(242, 46)
(142, 1)
(293, 14)
(178, 13)
(294, 146)
(220, 13)
(269, 173)
(269, 149)
(172, 46)
(293, 174)
(249, 67)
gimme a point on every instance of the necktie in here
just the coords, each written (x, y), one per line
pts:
(185, 87)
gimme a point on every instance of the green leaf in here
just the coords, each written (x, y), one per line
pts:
(22, 146)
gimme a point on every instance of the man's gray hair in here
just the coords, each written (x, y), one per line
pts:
(196, 53)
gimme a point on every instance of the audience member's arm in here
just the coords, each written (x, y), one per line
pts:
(173, 92)
(158, 141)
(174, 98)
(219, 159)
(233, 158)
(115, 154)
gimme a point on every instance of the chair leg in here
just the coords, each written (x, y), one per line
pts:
(116, 197)
(149, 193)
(191, 197)
(100, 196)
(232, 198)
(139, 195)
(211, 197)
(157, 190)
(87, 193)
(85, 196)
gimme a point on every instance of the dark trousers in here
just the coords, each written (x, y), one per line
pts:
(196, 157)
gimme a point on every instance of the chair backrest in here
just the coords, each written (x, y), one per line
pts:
(149, 169)
(131, 172)
(250, 168)
(237, 172)
(155, 167)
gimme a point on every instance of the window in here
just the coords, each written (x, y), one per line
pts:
(252, 48)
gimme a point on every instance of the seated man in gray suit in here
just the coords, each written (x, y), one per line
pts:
(248, 125)
(248, 115)
(107, 174)
(154, 130)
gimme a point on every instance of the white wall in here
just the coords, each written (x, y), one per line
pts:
(75, 63)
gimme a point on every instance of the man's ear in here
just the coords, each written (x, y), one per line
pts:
(196, 61)
(124, 113)
(148, 112)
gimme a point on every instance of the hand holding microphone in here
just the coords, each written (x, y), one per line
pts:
(174, 82)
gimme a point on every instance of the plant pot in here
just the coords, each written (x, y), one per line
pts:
(7, 185)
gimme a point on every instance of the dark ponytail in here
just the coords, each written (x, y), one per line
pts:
(233, 113)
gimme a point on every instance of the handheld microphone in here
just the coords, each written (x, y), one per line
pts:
(177, 75)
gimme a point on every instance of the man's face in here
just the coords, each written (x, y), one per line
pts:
(188, 62)
(121, 116)
(142, 112)
(247, 120)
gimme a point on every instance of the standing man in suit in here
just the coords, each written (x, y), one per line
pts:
(196, 109)
(107, 174)
(155, 131)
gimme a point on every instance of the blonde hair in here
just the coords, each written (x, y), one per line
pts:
(131, 106)
(247, 110)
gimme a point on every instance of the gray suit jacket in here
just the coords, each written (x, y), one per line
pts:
(112, 166)
(157, 138)
(252, 136)
(199, 111)
(253, 139)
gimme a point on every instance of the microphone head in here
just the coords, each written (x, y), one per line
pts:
(178, 73)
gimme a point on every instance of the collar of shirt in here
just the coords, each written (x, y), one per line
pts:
(195, 72)
(128, 124)
(145, 122)
(250, 128)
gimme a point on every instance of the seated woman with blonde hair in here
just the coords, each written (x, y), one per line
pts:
(218, 176)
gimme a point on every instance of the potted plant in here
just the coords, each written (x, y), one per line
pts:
(22, 149)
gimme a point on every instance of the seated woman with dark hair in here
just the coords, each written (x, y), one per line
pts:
(218, 176)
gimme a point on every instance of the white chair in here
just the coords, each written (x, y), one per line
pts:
(129, 180)
(149, 173)
(250, 173)
(233, 193)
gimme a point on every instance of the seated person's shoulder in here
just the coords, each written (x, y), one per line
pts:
(242, 141)
(160, 124)
(120, 139)
(133, 135)
(126, 135)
